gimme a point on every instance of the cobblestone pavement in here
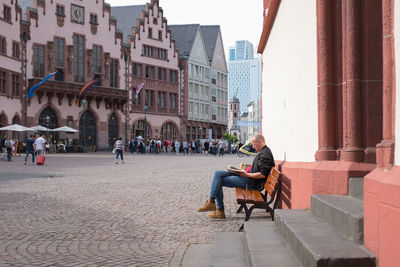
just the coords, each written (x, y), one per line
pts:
(84, 210)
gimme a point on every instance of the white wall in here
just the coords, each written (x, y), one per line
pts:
(289, 94)
(397, 75)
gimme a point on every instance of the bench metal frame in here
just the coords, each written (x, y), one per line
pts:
(268, 200)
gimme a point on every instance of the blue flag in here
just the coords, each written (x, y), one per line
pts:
(32, 90)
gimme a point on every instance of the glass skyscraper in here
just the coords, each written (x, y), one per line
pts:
(244, 74)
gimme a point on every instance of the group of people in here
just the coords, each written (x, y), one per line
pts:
(34, 145)
(155, 145)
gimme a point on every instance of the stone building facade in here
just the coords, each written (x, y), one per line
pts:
(124, 48)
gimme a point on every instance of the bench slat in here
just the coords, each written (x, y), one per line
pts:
(257, 196)
(239, 195)
(269, 188)
(248, 195)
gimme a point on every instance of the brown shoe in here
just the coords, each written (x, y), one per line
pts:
(217, 214)
(208, 206)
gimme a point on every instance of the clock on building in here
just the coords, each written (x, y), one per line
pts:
(77, 14)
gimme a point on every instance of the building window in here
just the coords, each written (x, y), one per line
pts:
(93, 18)
(78, 58)
(114, 73)
(172, 101)
(59, 52)
(97, 56)
(159, 35)
(162, 74)
(7, 13)
(15, 49)
(149, 98)
(60, 10)
(147, 50)
(3, 82)
(161, 53)
(155, 21)
(137, 70)
(150, 33)
(15, 84)
(38, 60)
(3, 45)
(150, 72)
(161, 99)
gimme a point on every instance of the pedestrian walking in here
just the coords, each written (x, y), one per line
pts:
(39, 145)
(119, 150)
(8, 143)
(29, 149)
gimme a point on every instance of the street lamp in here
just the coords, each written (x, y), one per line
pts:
(145, 108)
(47, 126)
(126, 105)
(25, 39)
(84, 102)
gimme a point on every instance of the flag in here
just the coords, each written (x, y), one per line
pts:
(83, 90)
(32, 90)
(137, 90)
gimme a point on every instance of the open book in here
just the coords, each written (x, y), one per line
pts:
(235, 170)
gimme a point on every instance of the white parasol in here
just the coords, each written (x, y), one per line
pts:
(41, 128)
(17, 128)
(65, 129)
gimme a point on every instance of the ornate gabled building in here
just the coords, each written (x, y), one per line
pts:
(203, 80)
(153, 62)
(122, 49)
(11, 50)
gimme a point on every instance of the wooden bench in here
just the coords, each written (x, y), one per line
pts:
(259, 200)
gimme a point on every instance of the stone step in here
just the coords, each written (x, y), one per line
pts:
(228, 250)
(356, 188)
(265, 246)
(197, 255)
(317, 244)
(344, 213)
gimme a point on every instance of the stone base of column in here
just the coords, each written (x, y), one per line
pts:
(326, 154)
(354, 154)
(385, 154)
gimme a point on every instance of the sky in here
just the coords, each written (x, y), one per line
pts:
(239, 19)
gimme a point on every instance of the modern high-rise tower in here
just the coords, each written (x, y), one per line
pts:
(244, 80)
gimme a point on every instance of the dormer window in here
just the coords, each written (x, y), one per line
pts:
(7, 13)
(93, 18)
(60, 10)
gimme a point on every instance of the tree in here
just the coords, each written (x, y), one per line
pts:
(230, 138)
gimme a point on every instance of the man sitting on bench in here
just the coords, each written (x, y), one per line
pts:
(254, 179)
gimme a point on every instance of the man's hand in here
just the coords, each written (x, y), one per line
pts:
(256, 175)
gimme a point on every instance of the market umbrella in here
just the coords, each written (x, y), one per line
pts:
(17, 128)
(65, 129)
(41, 128)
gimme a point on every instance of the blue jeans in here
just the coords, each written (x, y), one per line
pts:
(227, 179)
(33, 155)
(119, 152)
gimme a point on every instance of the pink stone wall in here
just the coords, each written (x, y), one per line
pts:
(382, 215)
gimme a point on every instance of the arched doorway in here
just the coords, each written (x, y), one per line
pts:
(138, 129)
(87, 129)
(113, 130)
(219, 133)
(48, 119)
(3, 123)
(169, 131)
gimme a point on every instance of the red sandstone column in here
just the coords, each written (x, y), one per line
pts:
(326, 84)
(352, 96)
(385, 149)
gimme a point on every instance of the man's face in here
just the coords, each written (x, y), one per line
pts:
(256, 144)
